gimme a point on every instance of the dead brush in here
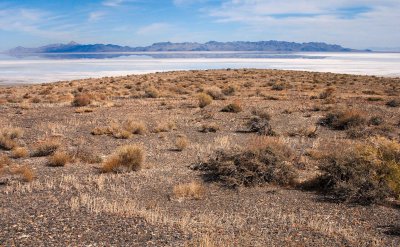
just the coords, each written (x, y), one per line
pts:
(262, 161)
(59, 158)
(343, 119)
(181, 143)
(204, 100)
(8, 137)
(234, 107)
(192, 190)
(129, 157)
(45, 148)
(209, 127)
(19, 152)
(365, 173)
(26, 173)
(80, 100)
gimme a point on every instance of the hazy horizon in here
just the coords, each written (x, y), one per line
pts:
(355, 24)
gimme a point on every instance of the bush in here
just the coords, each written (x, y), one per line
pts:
(233, 107)
(135, 127)
(230, 90)
(204, 100)
(393, 103)
(8, 136)
(215, 93)
(45, 148)
(130, 157)
(328, 93)
(343, 120)
(25, 172)
(81, 100)
(152, 92)
(260, 125)
(19, 152)
(59, 159)
(264, 161)
(181, 143)
(191, 190)
(212, 127)
(363, 174)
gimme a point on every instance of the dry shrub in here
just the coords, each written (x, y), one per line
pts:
(204, 100)
(121, 133)
(19, 152)
(328, 93)
(165, 127)
(135, 127)
(130, 157)
(82, 100)
(25, 172)
(101, 131)
(8, 136)
(59, 159)
(45, 148)
(181, 143)
(365, 173)
(260, 125)
(215, 93)
(235, 107)
(393, 103)
(229, 91)
(343, 120)
(84, 110)
(264, 160)
(152, 92)
(211, 127)
(87, 156)
(193, 190)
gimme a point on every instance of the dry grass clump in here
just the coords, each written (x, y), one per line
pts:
(365, 173)
(264, 161)
(45, 148)
(86, 155)
(204, 100)
(343, 120)
(215, 93)
(8, 137)
(25, 172)
(181, 143)
(82, 100)
(19, 152)
(165, 127)
(229, 91)
(152, 92)
(84, 110)
(129, 157)
(134, 127)
(235, 107)
(210, 127)
(328, 93)
(59, 159)
(193, 190)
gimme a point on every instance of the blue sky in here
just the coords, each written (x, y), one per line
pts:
(355, 24)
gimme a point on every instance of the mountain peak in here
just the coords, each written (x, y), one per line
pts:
(73, 43)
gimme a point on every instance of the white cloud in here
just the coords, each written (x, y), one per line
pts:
(96, 15)
(155, 28)
(112, 3)
(353, 23)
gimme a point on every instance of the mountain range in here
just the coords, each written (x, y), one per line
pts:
(272, 45)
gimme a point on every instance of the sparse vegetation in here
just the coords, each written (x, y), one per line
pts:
(19, 152)
(130, 157)
(204, 100)
(343, 120)
(193, 190)
(59, 159)
(233, 107)
(81, 100)
(181, 143)
(45, 147)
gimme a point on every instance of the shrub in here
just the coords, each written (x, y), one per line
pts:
(263, 161)
(81, 100)
(228, 91)
(215, 93)
(152, 92)
(193, 190)
(364, 174)
(130, 157)
(181, 143)
(343, 120)
(327, 93)
(233, 107)
(59, 159)
(135, 127)
(376, 121)
(212, 127)
(393, 103)
(6, 143)
(8, 136)
(25, 172)
(204, 100)
(260, 125)
(45, 148)
(165, 127)
(19, 152)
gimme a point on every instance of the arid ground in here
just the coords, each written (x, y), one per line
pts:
(64, 181)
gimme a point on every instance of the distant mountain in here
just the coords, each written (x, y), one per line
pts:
(272, 45)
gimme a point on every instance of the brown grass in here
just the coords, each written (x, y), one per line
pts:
(181, 143)
(193, 190)
(45, 148)
(343, 120)
(19, 152)
(234, 107)
(130, 157)
(25, 172)
(59, 159)
(81, 100)
(204, 100)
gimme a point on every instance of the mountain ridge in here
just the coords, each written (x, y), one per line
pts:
(271, 45)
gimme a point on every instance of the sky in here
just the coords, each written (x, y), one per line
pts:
(350, 23)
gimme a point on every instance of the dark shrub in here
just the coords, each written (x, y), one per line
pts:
(393, 103)
(257, 165)
(343, 120)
